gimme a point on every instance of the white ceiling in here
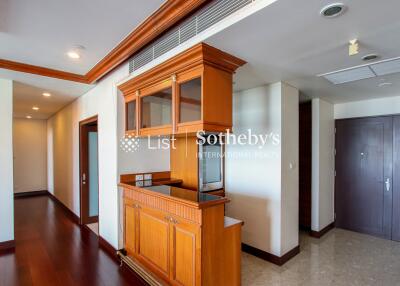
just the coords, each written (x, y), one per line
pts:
(26, 96)
(40, 32)
(290, 41)
(28, 90)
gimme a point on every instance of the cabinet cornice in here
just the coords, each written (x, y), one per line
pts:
(200, 54)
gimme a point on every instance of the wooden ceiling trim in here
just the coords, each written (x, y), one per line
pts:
(26, 68)
(170, 13)
(164, 18)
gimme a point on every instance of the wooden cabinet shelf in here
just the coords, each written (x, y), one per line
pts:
(188, 93)
(182, 242)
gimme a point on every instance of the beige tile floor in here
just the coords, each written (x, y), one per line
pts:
(340, 258)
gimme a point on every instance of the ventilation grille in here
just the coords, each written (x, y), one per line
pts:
(199, 22)
(376, 69)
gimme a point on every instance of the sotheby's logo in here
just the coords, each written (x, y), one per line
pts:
(130, 143)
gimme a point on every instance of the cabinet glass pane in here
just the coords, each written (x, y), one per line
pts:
(131, 115)
(156, 108)
(190, 101)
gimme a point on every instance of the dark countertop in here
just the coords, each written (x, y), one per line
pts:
(174, 192)
(184, 194)
(150, 183)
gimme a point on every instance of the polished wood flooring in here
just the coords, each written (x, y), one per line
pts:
(52, 250)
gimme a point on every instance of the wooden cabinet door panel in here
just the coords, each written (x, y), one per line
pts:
(130, 231)
(153, 239)
(185, 253)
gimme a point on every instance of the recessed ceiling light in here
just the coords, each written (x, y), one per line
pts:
(35, 108)
(75, 52)
(46, 94)
(74, 55)
(333, 10)
(28, 117)
(370, 57)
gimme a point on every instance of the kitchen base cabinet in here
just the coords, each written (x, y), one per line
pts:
(182, 242)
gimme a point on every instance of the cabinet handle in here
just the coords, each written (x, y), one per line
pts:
(136, 206)
(171, 219)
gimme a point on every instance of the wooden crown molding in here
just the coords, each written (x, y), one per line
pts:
(171, 12)
(25, 68)
(192, 57)
(165, 17)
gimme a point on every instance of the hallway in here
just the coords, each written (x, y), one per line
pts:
(52, 250)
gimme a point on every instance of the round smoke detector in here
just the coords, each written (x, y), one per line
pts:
(333, 10)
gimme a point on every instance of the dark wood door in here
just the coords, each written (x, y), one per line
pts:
(305, 154)
(363, 193)
(396, 179)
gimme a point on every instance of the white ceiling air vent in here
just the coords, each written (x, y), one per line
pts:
(349, 75)
(209, 15)
(371, 70)
(386, 67)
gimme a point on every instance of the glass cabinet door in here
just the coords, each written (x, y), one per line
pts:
(131, 115)
(156, 109)
(190, 100)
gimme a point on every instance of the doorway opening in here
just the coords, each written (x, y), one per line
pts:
(89, 174)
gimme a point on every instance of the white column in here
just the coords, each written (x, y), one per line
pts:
(6, 162)
(323, 164)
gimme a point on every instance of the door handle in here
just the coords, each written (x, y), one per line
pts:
(387, 184)
(83, 179)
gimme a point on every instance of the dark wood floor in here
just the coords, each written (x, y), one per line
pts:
(52, 250)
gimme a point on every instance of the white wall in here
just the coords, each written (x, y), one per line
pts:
(105, 101)
(63, 154)
(323, 164)
(30, 155)
(372, 107)
(290, 170)
(254, 174)
(6, 161)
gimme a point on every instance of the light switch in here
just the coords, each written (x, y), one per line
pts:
(148, 176)
(139, 178)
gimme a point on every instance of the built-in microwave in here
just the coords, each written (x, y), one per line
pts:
(211, 163)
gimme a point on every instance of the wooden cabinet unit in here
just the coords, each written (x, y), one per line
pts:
(188, 93)
(180, 237)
